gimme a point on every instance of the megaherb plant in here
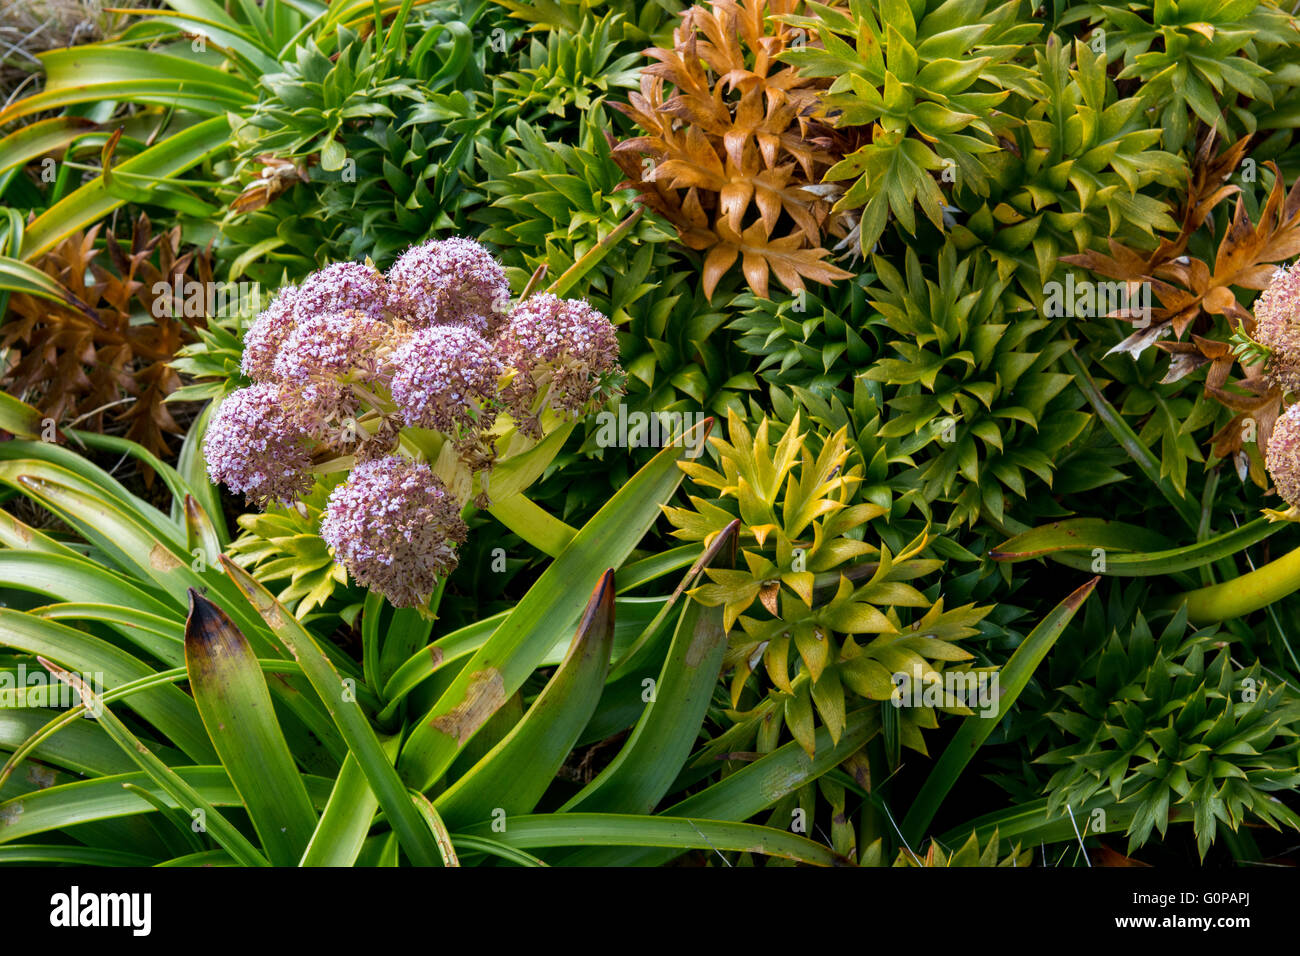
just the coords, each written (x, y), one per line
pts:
(1201, 279)
(284, 750)
(572, 71)
(818, 607)
(928, 78)
(426, 380)
(174, 97)
(424, 384)
(189, 86)
(1170, 724)
(364, 151)
(920, 460)
(1186, 54)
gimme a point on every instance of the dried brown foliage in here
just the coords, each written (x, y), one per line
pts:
(735, 157)
(1191, 291)
(276, 177)
(105, 368)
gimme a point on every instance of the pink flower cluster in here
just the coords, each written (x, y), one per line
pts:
(1277, 326)
(254, 446)
(445, 378)
(348, 359)
(1277, 318)
(1283, 457)
(453, 282)
(395, 527)
(559, 345)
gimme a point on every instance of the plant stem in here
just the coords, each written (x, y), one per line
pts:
(1244, 594)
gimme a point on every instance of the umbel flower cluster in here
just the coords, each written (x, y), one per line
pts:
(1277, 318)
(411, 381)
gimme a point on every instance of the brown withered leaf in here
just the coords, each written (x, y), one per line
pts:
(1192, 292)
(1207, 187)
(276, 176)
(732, 154)
(105, 367)
(1187, 287)
(785, 258)
(1105, 856)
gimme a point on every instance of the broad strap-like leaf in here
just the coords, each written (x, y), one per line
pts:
(516, 772)
(644, 769)
(342, 706)
(236, 708)
(974, 730)
(540, 619)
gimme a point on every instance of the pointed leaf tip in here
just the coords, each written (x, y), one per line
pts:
(1081, 593)
(207, 624)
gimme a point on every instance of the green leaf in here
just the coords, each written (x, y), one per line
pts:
(44, 136)
(1147, 564)
(1242, 595)
(341, 704)
(18, 276)
(517, 771)
(236, 707)
(751, 789)
(976, 729)
(344, 825)
(171, 784)
(644, 769)
(92, 202)
(1077, 534)
(16, 416)
(1121, 432)
(167, 708)
(535, 525)
(105, 798)
(579, 829)
(539, 620)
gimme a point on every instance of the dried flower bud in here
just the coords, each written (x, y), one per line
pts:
(395, 527)
(256, 446)
(322, 409)
(449, 282)
(445, 378)
(1283, 458)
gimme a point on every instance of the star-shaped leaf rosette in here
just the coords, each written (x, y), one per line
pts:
(427, 384)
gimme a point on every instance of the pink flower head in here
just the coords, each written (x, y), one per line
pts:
(264, 337)
(564, 341)
(322, 409)
(395, 527)
(1277, 317)
(332, 344)
(341, 286)
(256, 446)
(444, 378)
(449, 282)
(1283, 457)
